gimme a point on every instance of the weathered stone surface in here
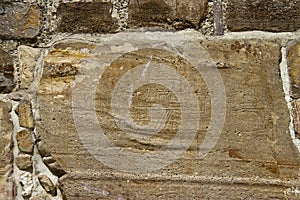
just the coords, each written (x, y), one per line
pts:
(47, 184)
(42, 150)
(54, 166)
(293, 56)
(18, 20)
(6, 72)
(28, 57)
(253, 157)
(179, 14)
(23, 162)
(24, 111)
(268, 15)
(296, 117)
(5, 151)
(27, 184)
(25, 141)
(86, 17)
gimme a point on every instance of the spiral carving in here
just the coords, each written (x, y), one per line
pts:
(139, 110)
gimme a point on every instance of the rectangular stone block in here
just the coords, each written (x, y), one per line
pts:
(86, 17)
(293, 58)
(28, 58)
(268, 15)
(5, 151)
(18, 20)
(6, 72)
(164, 13)
(139, 116)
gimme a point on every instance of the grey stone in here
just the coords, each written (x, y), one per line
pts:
(6, 72)
(19, 20)
(293, 58)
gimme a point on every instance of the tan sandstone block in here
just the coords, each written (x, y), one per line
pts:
(24, 111)
(88, 89)
(179, 14)
(28, 57)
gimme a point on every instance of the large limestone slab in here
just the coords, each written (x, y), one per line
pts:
(224, 132)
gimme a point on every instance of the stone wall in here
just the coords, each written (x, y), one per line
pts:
(149, 99)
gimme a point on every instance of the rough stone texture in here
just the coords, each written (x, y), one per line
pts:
(293, 56)
(268, 15)
(47, 184)
(88, 17)
(25, 141)
(179, 14)
(296, 117)
(42, 151)
(5, 151)
(6, 72)
(23, 162)
(53, 166)
(28, 57)
(24, 110)
(18, 20)
(254, 157)
(26, 181)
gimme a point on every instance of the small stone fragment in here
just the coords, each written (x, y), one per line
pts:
(26, 183)
(24, 162)
(42, 150)
(47, 184)
(48, 160)
(24, 111)
(28, 57)
(6, 72)
(55, 168)
(24, 140)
